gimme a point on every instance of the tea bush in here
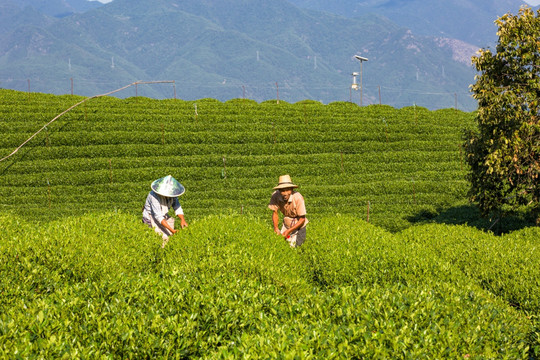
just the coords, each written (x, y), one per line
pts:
(227, 287)
(391, 158)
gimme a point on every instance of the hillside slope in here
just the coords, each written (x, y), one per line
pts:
(393, 166)
(470, 21)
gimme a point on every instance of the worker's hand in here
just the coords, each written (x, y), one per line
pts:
(286, 233)
(174, 231)
(183, 223)
(276, 230)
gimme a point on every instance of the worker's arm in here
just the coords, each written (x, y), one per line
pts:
(275, 221)
(298, 225)
(167, 226)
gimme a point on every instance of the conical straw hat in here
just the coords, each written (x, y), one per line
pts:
(285, 182)
(168, 186)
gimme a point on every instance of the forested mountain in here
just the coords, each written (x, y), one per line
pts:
(231, 48)
(55, 8)
(471, 21)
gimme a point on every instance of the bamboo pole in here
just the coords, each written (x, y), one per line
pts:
(224, 169)
(414, 191)
(49, 192)
(72, 107)
(110, 170)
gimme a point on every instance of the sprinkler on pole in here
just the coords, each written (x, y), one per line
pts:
(361, 59)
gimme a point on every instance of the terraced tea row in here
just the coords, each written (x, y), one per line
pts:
(106, 152)
(227, 287)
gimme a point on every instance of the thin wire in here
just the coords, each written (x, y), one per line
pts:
(77, 104)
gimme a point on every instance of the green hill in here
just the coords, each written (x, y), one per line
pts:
(401, 166)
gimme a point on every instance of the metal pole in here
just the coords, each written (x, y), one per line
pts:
(361, 59)
(361, 86)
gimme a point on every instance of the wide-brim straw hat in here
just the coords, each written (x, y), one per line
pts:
(285, 182)
(168, 186)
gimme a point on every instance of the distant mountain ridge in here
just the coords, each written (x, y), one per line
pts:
(60, 8)
(471, 21)
(228, 49)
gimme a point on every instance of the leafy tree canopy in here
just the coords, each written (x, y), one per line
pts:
(504, 152)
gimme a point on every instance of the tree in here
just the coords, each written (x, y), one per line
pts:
(504, 152)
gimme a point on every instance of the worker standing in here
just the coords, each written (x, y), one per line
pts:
(291, 204)
(164, 196)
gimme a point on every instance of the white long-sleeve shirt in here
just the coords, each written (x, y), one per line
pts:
(152, 207)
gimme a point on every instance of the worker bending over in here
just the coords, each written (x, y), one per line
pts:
(292, 206)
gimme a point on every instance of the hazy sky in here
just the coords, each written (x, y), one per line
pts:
(531, 2)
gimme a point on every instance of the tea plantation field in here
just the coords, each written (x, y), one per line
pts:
(402, 164)
(99, 285)
(380, 276)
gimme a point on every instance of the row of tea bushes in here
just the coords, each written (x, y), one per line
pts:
(105, 153)
(227, 287)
